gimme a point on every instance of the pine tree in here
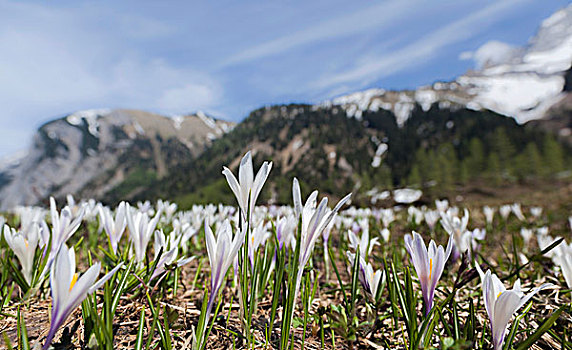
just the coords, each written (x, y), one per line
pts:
(502, 146)
(446, 161)
(384, 177)
(414, 178)
(476, 161)
(494, 169)
(553, 155)
(533, 160)
(422, 161)
(464, 171)
(432, 168)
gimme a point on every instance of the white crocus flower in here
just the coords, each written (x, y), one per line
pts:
(387, 216)
(428, 263)
(91, 209)
(536, 211)
(501, 303)
(385, 234)
(470, 240)
(441, 205)
(258, 237)
(415, 215)
(489, 214)
(141, 229)
(363, 243)
(248, 187)
(526, 234)
(158, 243)
(222, 252)
(71, 203)
(456, 227)
(314, 221)
(167, 258)
(545, 241)
(30, 216)
(370, 280)
(168, 208)
(517, 211)
(146, 207)
(68, 289)
(453, 211)
(564, 260)
(504, 211)
(114, 228)
(431, 218)
(542, 231)
(285, 231)
(24, 247)
(64, 225)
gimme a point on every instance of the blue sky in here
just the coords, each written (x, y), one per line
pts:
(229, 57)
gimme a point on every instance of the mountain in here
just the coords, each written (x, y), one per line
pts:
(519, 82)
(439, 150)
(104, 154)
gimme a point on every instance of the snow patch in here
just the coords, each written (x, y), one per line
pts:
(138, 128)
(516, 95)
(361, 98)
(297, 144)
(207, 120)
(379, 152)
(177, 121)
(402, 111)
(407, 195)
(425, 98)
(90, 116)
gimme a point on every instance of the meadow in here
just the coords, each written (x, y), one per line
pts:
(311, 275)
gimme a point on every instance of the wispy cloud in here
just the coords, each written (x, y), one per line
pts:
(372, 17)
(378, 66)
(57, 60)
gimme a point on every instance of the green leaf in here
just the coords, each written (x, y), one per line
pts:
(139, 340)
(527, 343)
(22, 333)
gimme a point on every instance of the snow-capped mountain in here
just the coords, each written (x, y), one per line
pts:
(95, 152)
(523, 83)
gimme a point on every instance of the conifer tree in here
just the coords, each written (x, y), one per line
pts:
(494, 168)
(553, 155)
(414, 178)
(476, 160)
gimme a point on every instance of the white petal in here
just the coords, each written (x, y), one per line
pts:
(297, 198)
(233, 184)
(104, 279)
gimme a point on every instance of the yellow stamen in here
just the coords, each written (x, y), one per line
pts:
(74, 280)
(499, 295)
(26, 242)
(430, 267)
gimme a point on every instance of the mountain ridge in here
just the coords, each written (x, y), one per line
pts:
(106, 147)
(524, 84)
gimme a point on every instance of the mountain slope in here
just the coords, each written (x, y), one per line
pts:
(523, 83)
(104, 154)
(435, 149)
